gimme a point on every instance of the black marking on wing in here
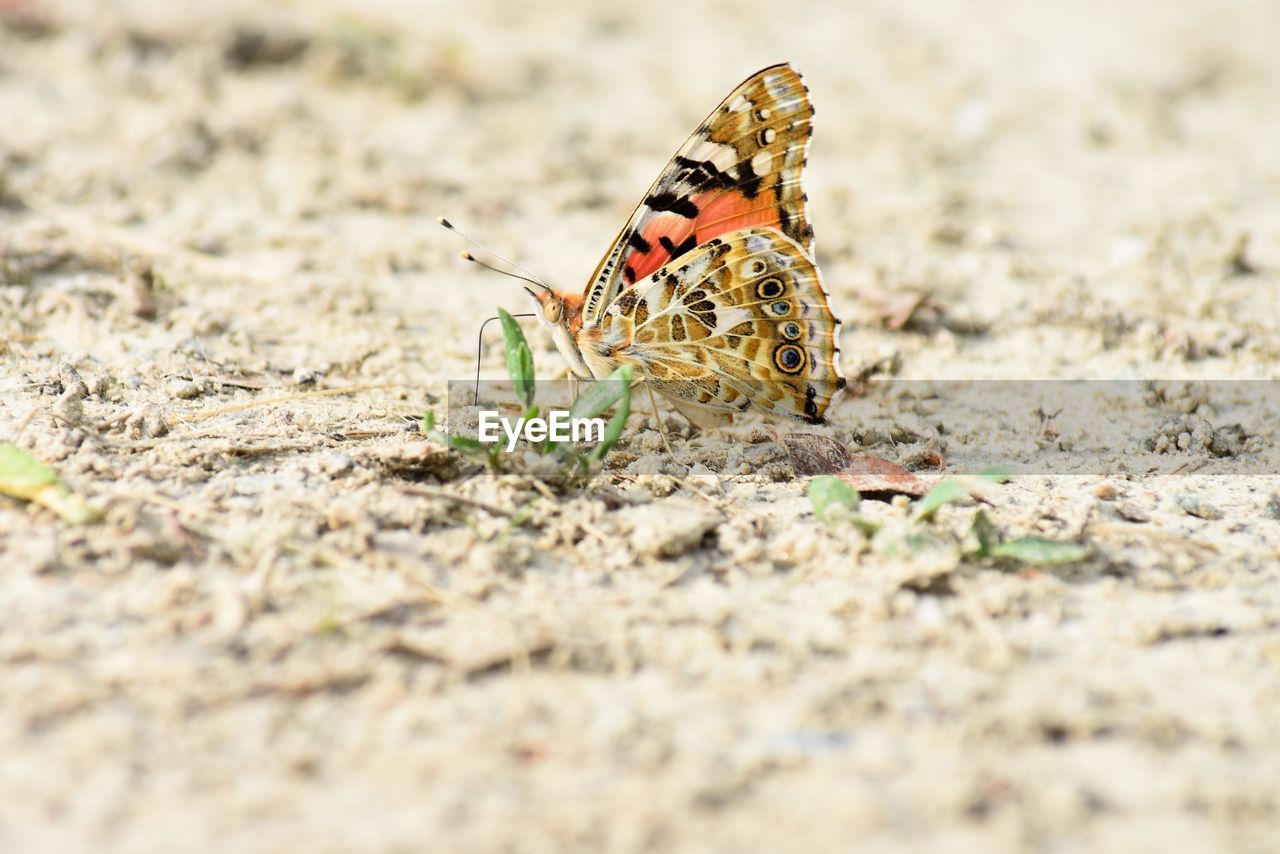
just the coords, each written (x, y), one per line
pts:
(678, 249)
(700, 173)
(675, 203)
(749, 181)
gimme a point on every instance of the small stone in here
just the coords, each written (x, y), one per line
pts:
(1272, 508)
(668, 528)
(146, 423)
(73, 387)
(68, 406)
(142, 281)
(1225, 440)
(1184, 441)
(337, 463)
(184, 390)
(1193, 506)
(1105, 491)
(99, 384)
(307, 376)
(1132, 513)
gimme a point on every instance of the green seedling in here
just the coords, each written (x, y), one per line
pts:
(613, 392)
(955, 489)
(27, 479)
(833, 500)
(1041, 552)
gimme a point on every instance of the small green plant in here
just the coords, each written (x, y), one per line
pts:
(24, 477)
(835, 502)
(613, 392)
(954, 489)
(1030, 550)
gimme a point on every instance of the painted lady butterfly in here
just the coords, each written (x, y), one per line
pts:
(710, 290)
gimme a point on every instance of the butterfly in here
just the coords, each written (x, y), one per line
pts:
(710, 290)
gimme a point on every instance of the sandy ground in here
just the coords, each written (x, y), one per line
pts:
(301, 626)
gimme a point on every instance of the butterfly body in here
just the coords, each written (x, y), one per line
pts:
(710, 290)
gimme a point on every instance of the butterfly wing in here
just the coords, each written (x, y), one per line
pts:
(742, 322)
(742, 167)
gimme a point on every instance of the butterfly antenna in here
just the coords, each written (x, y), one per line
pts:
(527, 277)
(480, 349)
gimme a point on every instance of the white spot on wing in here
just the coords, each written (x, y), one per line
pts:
(761, 161)
(721, 156)
(729, 318)
(757, 243)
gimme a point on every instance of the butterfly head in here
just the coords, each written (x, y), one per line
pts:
(556, 309)
(561, 313)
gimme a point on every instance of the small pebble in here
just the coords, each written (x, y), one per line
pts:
(1272, 509)
(73, 386)
(98, 384)
(1105, 491)
(1193, 506)
(336, 463)
(1132, 513)
(1184, 441)
(307, 376)
(184, 390)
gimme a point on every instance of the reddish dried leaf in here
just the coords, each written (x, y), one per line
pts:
(873, 477)
(880, 480)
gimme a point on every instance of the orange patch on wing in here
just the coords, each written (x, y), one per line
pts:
(671, 226)
(719, 212)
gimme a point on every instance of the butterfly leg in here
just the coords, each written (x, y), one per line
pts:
(657, 419)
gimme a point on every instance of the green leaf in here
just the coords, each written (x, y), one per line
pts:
(519, 357)
(465, 443)
(870, 527)
(599, 397)
(618, 423)
(984, 530)
(26, 478)
(997, 474)
(458, 443)
(828, 491)
(903, 542)
(1038, 550)
(948, 491)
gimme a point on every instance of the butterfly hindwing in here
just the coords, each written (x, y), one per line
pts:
(741, 322)
(741, 168)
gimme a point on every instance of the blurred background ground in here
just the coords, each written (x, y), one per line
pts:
(299, 626)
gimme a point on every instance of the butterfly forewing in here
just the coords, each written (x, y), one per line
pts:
(741, 168)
